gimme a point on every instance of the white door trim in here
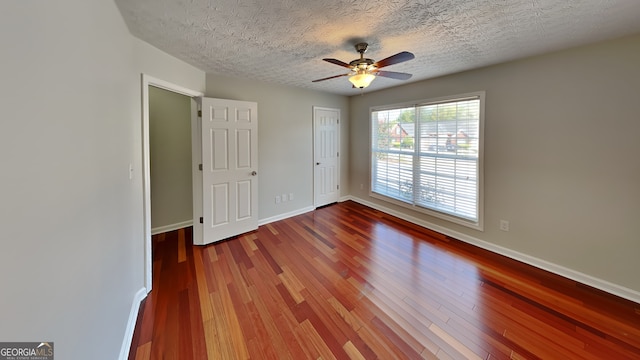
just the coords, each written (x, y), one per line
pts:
(146, 170)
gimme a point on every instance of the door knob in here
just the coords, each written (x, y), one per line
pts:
(254, 173)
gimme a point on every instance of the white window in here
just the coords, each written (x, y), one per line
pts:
(440, 173)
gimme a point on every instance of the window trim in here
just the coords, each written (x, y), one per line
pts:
(477, 225)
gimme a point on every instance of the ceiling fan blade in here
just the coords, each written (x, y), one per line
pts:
(338, 62)
(394, 59)
(330, 77)
(394, 75)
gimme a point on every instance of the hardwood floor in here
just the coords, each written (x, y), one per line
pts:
(349, 282)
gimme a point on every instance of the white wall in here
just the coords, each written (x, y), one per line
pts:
(285, 139)
(71, 243)
(72, 229)
(561, 157)
(170, 145)
(160, 65)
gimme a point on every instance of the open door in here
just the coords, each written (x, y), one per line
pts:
(226, 200)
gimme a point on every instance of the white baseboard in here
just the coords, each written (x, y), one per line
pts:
(285, 215)
(171, 227)
(131, 323)
(592, 281)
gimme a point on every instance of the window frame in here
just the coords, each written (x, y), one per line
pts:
(479, 223)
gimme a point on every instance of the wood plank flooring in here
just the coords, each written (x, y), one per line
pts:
(349, 282)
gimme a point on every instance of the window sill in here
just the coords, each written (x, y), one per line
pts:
(440, 215)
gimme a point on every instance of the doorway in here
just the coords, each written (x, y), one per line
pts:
(146, 169)
(170, 160)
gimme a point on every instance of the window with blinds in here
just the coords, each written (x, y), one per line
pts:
(428, 156)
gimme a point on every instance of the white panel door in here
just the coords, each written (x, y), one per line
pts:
(326, 154)
(229, 168)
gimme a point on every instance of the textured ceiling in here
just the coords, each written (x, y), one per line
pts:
(284, 41)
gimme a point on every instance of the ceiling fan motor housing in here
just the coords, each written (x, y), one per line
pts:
(361, 63)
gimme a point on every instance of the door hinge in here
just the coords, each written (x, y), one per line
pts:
(201, 220)
(200, 167)
(338, 154)
(199, 113)
(338, 187)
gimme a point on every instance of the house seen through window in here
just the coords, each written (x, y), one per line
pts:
(428, 156)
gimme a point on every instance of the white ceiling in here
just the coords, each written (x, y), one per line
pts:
(284, 41)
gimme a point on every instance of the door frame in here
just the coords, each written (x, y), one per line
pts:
(338, 142)
(147, 81)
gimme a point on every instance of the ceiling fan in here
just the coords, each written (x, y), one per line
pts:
(364, 70)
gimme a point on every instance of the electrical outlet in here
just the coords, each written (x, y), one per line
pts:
(290, 196)
(504, 225)
(361, 186)
(278, 199)
(284, 197)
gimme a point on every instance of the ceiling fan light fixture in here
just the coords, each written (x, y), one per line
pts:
(362, 80)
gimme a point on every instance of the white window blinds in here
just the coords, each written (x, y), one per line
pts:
(427, 156)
